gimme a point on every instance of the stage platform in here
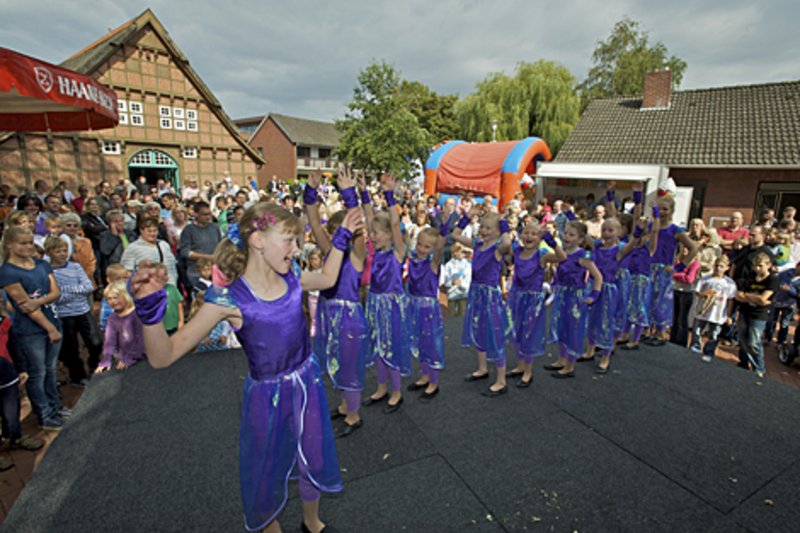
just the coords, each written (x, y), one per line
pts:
(664, 442)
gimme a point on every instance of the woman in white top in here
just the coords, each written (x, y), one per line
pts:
(147, 246)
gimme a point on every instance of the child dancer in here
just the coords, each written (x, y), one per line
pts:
(637, 313)
(601, 326)
(387, 302)
(263, 302)
(341, 336)
(75, 312)
(487, 321)
(661, 270)
(427, 325)
(572, 296)
(123, 336)
(526, 300)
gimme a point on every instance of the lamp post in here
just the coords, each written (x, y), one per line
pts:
(494, 131)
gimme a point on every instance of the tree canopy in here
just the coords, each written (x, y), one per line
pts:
(538, 100)
(380, 132)
(622, 60)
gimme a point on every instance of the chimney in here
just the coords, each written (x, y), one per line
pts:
(657, 90)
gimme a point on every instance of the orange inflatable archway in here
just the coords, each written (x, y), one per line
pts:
(484, 168)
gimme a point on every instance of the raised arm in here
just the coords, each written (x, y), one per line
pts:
(388, 184)
(653, 242)
(311, 207)
(611, 205)
(463, 222)
(315, 281)
(505, 240)
(558, 255)
(366, 201)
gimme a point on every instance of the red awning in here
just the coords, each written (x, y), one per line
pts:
(38, 96)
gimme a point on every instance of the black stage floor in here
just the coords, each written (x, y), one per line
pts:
(664, 442)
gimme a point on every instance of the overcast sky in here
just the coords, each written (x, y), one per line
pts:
(301, 58)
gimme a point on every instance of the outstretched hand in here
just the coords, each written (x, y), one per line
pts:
(362, 181)
(637, 186)
(345, 178)
(387, 182)
(353, 221)
(147, 280)
(315, 178)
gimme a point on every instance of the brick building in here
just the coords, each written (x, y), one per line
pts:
(738, 147)
(171, 125)
(292, 146)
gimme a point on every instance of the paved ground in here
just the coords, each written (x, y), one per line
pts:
(665, 442)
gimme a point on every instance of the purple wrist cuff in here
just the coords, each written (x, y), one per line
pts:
(637, 197)
(463, 222)
(593, 296)
(656, 212)
(349, 197)
(365, 199)
(504, 227)
(309, 195)
(549, 239)
(390, 201)
(570, 216)
(609, 196)
(152, 308)
(341, 238)
(637, 232)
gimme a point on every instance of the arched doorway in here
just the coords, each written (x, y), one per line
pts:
(154, 165)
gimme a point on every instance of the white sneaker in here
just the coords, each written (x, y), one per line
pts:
(760, 374)
(707, 358)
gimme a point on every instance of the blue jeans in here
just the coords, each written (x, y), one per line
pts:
(712, 330)
(751, 351)
(41, 361)
(782, 317)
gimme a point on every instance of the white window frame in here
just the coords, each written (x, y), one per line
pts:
(191, 114)
(135, 107)
(123, 119)
(191, 125)
(137, 120)
(190, 152)
(178, 112)
(179, 124)
(164, 111)
(112, 148)
(122, 106)
(165, 123)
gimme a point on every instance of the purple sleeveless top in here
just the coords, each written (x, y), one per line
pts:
(528, 273)
(422, 281)
(387, 273)
(665, 249)
(570, 273)
(346, 286)
(606, 261)
(639, 263)
(273, 333)
(485, 267)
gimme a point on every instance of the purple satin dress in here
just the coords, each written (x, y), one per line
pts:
(342, 338)
(387, 314)
(487, 321)
(661, 280)
(427, 324)
(603, 311)
(285, 427)
(569, 313)
(526, 303)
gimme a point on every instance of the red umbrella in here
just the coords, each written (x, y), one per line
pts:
(38, 96)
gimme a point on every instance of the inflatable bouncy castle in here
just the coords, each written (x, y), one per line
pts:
(483, 168)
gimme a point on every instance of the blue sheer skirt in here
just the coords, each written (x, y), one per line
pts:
(529, 322)
(623, 280)
(568, 318)
(663, 296)
(638, 311)
(427, 330)
(602, 315)
(342, 342)
(389, 330)
(487, 322)
(285, 422)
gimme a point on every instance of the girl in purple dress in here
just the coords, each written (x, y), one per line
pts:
(487, 322)
(569, 313)
(342, 334)
(637, 312)
(526, 299)
(285, 431)
(661, 270)
(387, 303)
(427, 325)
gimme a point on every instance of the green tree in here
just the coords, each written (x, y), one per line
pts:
(622, 60)
(539, 100)
(435, 113)
(379, 134)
